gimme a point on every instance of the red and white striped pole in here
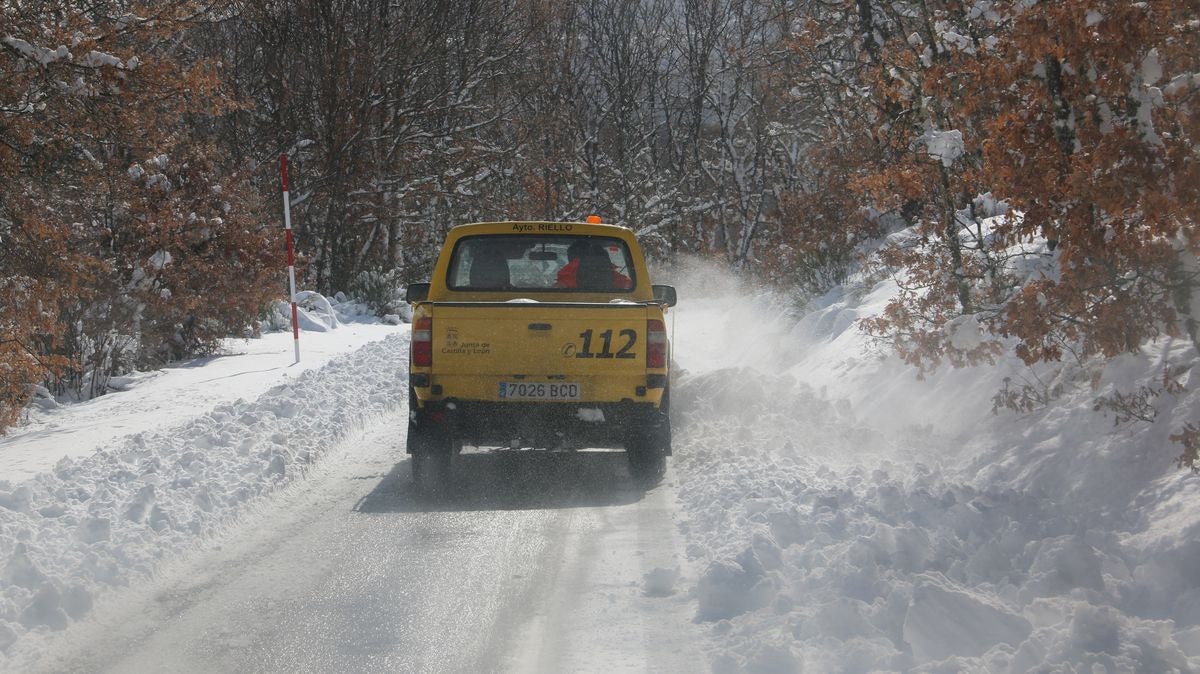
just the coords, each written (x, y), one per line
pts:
(287, 225)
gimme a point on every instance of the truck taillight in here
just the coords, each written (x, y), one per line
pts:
(656, 343)
(422, 342)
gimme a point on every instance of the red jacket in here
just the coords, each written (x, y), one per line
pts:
(566, 276)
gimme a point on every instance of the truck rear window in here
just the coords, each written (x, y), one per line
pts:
(546, 263)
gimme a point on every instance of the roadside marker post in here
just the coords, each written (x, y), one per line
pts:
(287, 225)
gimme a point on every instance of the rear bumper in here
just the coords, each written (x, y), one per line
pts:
(639, 387)
(543, 425)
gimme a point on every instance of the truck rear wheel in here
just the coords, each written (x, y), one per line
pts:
(432, 460)
(431, 450)
(650, 445)
(646, 464)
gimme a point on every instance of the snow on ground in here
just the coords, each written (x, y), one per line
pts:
(146, 472)
(839, 514)
(143, 401)
(843, 516)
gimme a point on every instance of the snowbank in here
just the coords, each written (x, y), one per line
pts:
(106, 520)
(145, 401)
(844, 516)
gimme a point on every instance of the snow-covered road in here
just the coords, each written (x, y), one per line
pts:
(539, 565)
(824, 511)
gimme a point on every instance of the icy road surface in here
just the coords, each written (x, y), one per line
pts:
(538, 566)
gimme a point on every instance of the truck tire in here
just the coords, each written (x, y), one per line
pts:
(646, 464)
(650, 445)
(431, 453)
(432, 461)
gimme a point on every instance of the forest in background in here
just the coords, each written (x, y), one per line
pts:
(1039, 158)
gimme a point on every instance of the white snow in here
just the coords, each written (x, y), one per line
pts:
(965, 332)
(96, 59)
(660, 582)
(315, 312)
(177, 455)
(838, 513)
(943, 621)
(146, 401)
(42, 55)
(843, 516)
(1152, 70)
(160, 259)
(945, 146)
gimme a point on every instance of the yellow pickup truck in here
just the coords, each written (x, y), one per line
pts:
(541, 335)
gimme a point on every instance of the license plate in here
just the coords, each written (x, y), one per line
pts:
(538, 390)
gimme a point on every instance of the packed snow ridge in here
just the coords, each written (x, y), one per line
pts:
(107, 520)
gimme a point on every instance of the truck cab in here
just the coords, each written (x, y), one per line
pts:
(539, 335)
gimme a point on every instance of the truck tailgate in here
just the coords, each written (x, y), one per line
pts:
(539, 339)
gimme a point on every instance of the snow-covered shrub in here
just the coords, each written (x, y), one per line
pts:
(382, 291)
(316, 313)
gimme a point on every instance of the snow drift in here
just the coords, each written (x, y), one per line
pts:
(844, 516)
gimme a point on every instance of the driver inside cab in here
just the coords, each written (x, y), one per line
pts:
(588, 267)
